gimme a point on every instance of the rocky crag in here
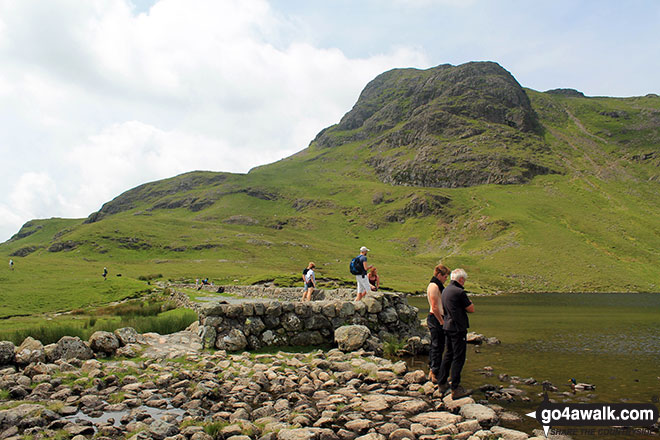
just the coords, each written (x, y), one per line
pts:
(449, 126)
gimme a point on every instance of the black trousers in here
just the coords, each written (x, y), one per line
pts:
(454, 358)
(437, 343)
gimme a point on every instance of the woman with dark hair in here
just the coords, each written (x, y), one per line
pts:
(310, 282)
(435, 319)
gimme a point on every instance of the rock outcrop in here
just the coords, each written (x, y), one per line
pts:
(448, 126)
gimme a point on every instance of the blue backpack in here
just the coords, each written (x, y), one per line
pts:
(356, 267)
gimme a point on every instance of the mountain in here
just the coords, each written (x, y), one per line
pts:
(527, 190)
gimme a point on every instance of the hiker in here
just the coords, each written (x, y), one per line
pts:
(456, 305)
(360, 270)
(105, 273)
(205, 282)
(374, 279)
(435, 320)
(11, 264)
(310, 282)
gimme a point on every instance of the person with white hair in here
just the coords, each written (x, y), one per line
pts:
(456, 305)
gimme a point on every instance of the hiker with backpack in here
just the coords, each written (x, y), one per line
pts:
(310, 281)
(359, 268)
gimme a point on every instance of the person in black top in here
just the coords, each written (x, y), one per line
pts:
(456, 306)
(435, 320)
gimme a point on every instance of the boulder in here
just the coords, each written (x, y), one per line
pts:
(292, 323)
(129, 351)
(371, 436)
(103, 342)
(484, 415)
(126, 335)
(402, 434)
(436, 419)
(235, 340)
(351, 337)
(417, 376)
(30, 351)
(298, 434)
(373, 303)
(375, 345)
(474, 338)
(69, 347)
(161, 429)
(7, 353)
(388, 315)
(208, 335)
(508, 434)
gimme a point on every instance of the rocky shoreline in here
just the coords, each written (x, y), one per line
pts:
(176, 391)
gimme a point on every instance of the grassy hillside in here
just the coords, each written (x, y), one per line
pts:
(528, 191)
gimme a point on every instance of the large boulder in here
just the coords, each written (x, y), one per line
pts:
(30, 351)
(69, 347)
(104, 342)
(351, 337)
(7, 353)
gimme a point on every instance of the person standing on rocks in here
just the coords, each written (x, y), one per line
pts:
(456, 305)
(363, 286)
(435, 320)
(310, 282)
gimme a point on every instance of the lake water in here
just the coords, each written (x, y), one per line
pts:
(609, 340)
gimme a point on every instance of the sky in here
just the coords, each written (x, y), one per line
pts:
(99, 96)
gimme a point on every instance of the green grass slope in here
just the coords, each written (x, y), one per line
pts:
(546, 192)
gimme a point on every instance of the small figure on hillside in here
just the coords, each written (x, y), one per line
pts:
(196, 282)
(435, 320)
(360, 268)
(310, 282)
(105, 273)
(374, 279)
(455, 305)
(11, 264)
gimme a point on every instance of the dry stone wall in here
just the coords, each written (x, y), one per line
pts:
(253, 325)
(270, 292)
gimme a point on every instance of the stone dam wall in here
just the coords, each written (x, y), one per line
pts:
(253, 325)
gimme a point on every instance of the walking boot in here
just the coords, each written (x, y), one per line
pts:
(459, 392)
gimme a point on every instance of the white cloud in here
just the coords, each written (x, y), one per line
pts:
(97, 98)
